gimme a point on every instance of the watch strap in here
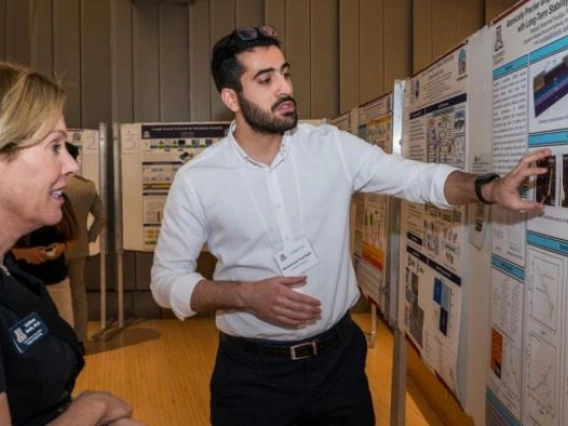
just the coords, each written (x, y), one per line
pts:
(480, 182)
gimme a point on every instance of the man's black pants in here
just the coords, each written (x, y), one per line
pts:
(329, 388)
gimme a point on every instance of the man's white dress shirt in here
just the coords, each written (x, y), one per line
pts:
(246, 211)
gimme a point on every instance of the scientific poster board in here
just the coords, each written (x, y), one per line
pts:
(347, 123)
(372, 232)
(342, 122)
(89, 159)
(528, 374)
(433, 249)
(151, 154)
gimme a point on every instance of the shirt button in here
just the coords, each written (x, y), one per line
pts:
(279, 206)
(287, 238)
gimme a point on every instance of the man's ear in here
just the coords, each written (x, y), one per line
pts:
(229, 98)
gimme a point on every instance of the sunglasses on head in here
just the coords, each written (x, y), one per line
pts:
(247, 34)
(252, 33)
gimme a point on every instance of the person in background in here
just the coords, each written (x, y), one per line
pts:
(40, 357)
(271, 200)
(84, 199)
(41, 254)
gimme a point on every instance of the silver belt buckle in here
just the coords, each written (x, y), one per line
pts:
(313, 344)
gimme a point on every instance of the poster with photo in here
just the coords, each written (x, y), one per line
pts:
(151, 154)
(375, 127)
(530, 88)
(433, 241)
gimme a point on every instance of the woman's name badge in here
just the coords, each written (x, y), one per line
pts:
(27, 331)
(296, 258)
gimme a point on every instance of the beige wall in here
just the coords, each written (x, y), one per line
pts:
(150, 62)
(440, 24)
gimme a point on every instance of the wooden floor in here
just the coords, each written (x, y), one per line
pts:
(162, 367)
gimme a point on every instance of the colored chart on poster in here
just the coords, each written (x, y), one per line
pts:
(433, 243)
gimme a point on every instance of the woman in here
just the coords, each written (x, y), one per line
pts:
(41, 253)
(39, 353)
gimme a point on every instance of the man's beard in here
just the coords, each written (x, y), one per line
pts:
(262, 122)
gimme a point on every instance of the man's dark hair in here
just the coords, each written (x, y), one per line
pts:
(72, 150)
(225, 67)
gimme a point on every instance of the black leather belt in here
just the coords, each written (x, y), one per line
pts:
(291, 350)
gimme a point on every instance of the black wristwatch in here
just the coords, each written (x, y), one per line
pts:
(480, 182)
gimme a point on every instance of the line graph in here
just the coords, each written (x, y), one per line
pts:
(512, 370)
(541, 377)
(543, 283)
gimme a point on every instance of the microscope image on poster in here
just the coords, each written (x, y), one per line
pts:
(546, 183)
(550, 85)
(565, 180)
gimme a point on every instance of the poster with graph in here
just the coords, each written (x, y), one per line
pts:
(372, 210)
(528, 379)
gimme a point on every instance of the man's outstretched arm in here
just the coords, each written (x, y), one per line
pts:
(460, 187)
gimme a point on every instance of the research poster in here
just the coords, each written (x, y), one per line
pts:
(151, 154)
(348, 122)
(433, 242)
(528, 376)
(342, 122)
(88, 142)
(372, 210)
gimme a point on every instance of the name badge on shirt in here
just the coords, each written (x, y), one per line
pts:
(28, 331)
(296, 258)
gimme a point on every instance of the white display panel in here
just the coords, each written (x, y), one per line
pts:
(150, 156)
(372, 232)
(89, 159)
(530, 87)
(433, 241)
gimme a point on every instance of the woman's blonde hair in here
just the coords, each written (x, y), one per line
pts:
(30, 106)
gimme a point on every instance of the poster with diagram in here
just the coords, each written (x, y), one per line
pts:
(89, 159)
(151, 154)
(528, 377)
(348, 122)
(372, 210)
(433, 242)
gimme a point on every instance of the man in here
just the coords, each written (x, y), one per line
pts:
(84, 199)
(271, 200)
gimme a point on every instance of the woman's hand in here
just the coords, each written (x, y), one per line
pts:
(126, 422)
(95, 408)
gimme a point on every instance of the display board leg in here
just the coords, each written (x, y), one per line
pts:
(110, 324)
(372, 334)
(113, 329)
(116, 331)
(398, 392)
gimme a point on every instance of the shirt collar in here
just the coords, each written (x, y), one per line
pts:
(244, 158)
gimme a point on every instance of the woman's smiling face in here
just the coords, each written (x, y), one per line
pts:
(32, 182)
